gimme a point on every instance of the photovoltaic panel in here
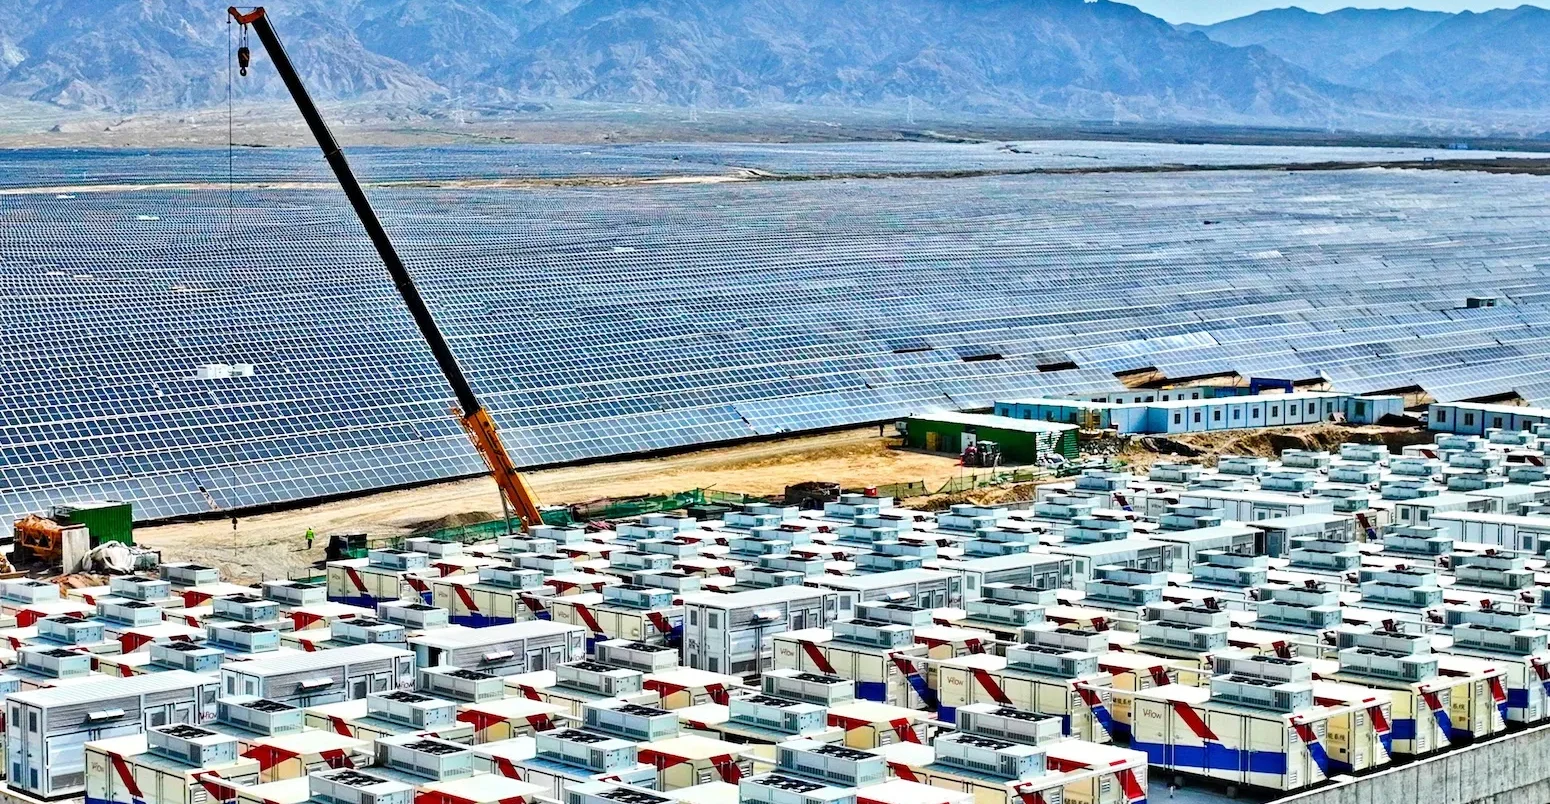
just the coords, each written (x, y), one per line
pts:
(606, 320)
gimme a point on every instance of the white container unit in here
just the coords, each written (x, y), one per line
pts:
(495, 595)
(733, 632)
(1082, 702)
(1180, 729)
(46, 730)
(1023, 569)
(167, 765)
(604, 619)
(886, 674)
(308, 679)
(503, 649)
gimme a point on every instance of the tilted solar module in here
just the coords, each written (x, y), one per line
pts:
(602, 320)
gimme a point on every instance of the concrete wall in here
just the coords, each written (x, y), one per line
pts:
(1512, 770)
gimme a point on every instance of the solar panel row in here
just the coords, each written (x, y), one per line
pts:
(598, 321)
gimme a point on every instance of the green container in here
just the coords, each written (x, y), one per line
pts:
(110, 521)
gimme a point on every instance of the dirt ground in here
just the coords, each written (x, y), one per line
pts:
(272, 545)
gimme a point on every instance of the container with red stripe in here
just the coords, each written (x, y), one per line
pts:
(877, 675)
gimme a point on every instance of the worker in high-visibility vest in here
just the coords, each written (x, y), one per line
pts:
(310, 537)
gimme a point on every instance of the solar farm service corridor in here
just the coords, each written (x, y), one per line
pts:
(600, 320)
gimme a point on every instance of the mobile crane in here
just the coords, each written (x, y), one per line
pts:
(517, 495)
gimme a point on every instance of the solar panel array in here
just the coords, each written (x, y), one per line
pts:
(599, 321)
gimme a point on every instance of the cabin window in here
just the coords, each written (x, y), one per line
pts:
(1497, 422)
(1237, 414)
(1312, 408)
(1216, 415)
(1197, 417)
(1442, 416)
(1254, 413)
(1195, 395)
(1469, 419)
(1275, 410)
(1178, 418)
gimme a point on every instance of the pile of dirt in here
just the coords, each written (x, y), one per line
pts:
(1020, 492)
(1206, 448)
(458, 520)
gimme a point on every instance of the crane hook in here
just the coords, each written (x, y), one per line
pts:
(244, 55)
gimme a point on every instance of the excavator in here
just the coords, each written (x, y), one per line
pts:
(516, 494)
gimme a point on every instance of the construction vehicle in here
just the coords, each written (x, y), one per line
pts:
(40, 537)
(516, 494)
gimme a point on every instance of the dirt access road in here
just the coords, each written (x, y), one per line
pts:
(271, 545)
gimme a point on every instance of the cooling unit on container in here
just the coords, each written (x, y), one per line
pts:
(365, 631)
(636, 655)
(607, 793)
(457, 684)
(813, 688)
(832, 764)
(53, 663)
(775, 788)
(425, 757)
(873, 634)
(295, 593)
(629, 721)
(258, 716)
(999, 757)
(778, 715)
(640, 561)
(350, 786)
(143, 589)
(243, 638)
(389, 558)
(246, 609)
(67, 630)
(673, 580)
(412, 615)
(411, 709)
(129, 613)
(190, 656)
(433, 547)
(1006, 723)
(188, 574)
(599, 678)
(510, 577)
(596, 752)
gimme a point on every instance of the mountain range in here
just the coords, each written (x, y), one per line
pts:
(1048, 59)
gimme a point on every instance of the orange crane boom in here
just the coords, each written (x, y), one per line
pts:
(476, 421)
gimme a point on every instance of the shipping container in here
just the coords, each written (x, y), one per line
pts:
(308, 679)
(291, 756)
(1362, 738)
(869, 724)
(936, 768)
(47, 729)
(484, 788)
(1131, 672)
(1082, 702)
(733, 633)
(167, 765)
(391, 714)
(503, 649)
(659, 623)
(495, 595)
(879, 672)
(688, 760)
(493, 721)
(567, 756)
(686, 686)
(1179, 729)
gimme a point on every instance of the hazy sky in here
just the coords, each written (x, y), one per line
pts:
(1208, 11)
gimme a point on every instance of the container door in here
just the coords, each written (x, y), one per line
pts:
(537, 659)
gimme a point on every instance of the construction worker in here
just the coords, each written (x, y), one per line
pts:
(310, 537)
